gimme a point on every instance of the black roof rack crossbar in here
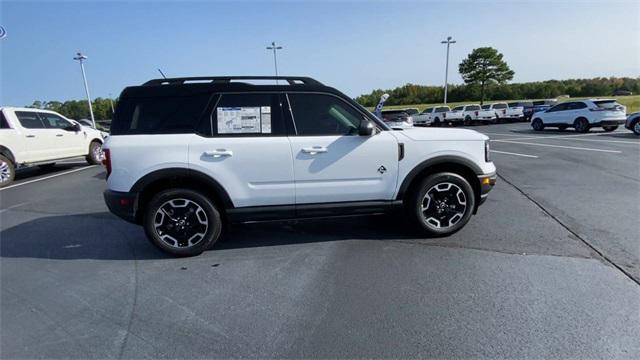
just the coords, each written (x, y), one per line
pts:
(291, 80)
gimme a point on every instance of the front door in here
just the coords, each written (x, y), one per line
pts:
(331, 162)
(67, 141)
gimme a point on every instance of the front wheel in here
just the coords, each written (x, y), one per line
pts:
(182, 222)
(537, 125)
(442, 204)
(636, 127)
(467, 121)
(95, 153)
(609, 128)
(7, 171)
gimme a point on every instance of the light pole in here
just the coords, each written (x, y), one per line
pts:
(446, 70)
(111, 101)
(81, 58)
(275, 58)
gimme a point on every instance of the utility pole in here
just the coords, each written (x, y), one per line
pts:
(449, 41)
(81, 58)
(275, 57)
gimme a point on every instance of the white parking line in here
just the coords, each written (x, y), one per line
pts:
(514, 154)
(558, 146)
(576, 138)
(47, 177)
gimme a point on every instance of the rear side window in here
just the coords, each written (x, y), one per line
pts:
(576, 105)
(458, 108)
(442, 109)
(607, 104)
(29, 120)
(4, 124)
(319, 114)
(500, 106)
(249, 114)
(159, 115)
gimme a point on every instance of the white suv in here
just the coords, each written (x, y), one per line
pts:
(582, 115)
(187, 154)
(40, 137)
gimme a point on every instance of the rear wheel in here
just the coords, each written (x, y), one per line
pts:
(537, 124)
(436, 122)
(609, 128)
(636, 127)
(182, 222)
(95, 153)
(442, 204)
(467, 121)
(581, 125)
(7, 171)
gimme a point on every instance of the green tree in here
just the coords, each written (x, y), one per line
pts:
(485, 66)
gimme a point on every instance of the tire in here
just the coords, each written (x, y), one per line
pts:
(562, 127)
(467, 121)
(95, 153)
(182, 222)
(47, 166)
(436, 122)
(495, 120)
(609, 128)
(635, 126)
(443, 204)
(537, 124)
(7, 171)
(581, 125)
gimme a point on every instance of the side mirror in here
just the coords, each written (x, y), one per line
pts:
(366, 128)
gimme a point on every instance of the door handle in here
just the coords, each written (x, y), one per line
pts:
(59, 135)
(218, 153)
(314, 150)
(30, 136)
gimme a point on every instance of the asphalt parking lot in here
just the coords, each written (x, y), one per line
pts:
(549, 268)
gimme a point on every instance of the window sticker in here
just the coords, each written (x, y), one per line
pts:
(244, 120)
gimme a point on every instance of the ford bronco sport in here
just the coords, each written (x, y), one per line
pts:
(186, 155)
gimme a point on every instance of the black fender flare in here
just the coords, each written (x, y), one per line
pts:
(183, 174)
(439, 160)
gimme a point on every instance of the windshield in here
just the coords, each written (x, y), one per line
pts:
(473, 107)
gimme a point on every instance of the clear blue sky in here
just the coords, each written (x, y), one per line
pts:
(354, 46)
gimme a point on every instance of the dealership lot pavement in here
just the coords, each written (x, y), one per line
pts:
(548, 268)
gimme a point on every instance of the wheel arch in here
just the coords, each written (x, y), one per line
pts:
(4, 151)
(163, 179)
(447, 163)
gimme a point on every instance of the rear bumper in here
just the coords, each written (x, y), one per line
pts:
(122, 204)
(614, 122)
(487, 183)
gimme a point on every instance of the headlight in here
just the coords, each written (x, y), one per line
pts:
(487, 157)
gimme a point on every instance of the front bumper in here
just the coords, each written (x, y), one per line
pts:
(487, 182)
(122, 204)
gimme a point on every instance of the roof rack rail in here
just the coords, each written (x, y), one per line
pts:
(291, 80)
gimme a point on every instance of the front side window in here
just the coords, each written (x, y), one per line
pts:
(577, 106)
(500, 106)
(4, 124)
(485, 107)
(53, 121)
(442, 109)
(458, 108)
(29, 120)
(248, 114)
(473, 108)
(427, 111)
(319, 114)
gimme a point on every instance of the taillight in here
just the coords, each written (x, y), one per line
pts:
(106, 160)
(504, 111)
(477, 112)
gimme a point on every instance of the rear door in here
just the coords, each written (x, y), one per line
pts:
(331, 162)
(38, 140)
(244, 146)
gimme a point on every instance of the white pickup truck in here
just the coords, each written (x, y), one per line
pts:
(431, 116)
(41, 137)
(516, 109)
(499, 109)
(468, 114)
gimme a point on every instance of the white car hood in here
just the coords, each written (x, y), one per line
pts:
(440, 134)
